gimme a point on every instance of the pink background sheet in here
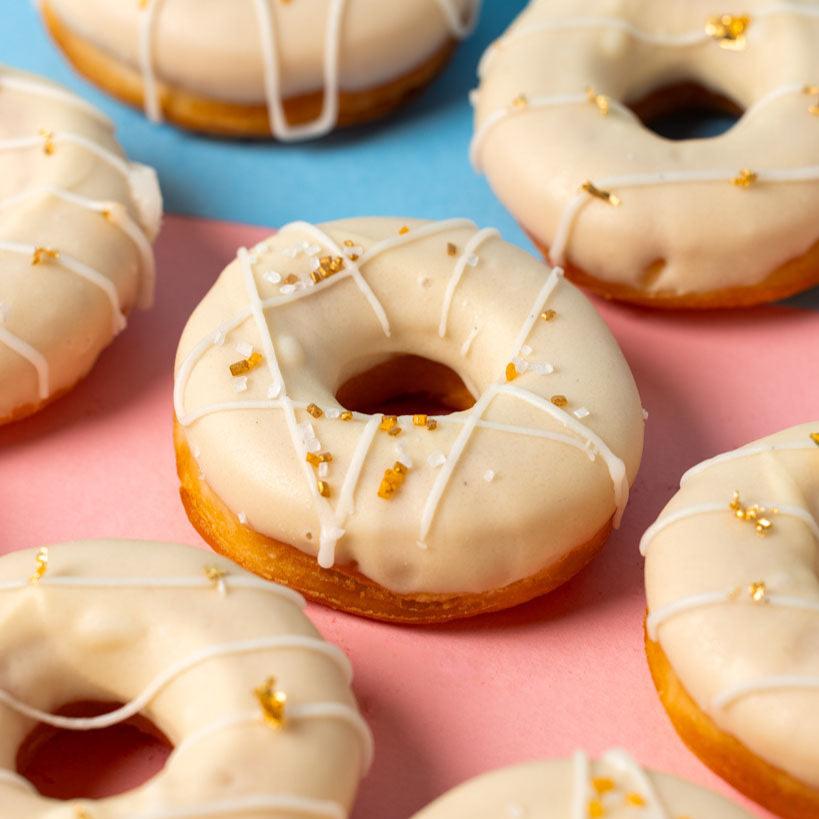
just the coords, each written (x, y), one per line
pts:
(445, 703)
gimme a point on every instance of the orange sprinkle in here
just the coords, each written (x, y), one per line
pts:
(549, 315)
(388, 423)
(559, 400)
(346, 415)
(403, 231)
(635, 799)
(420, 420)
(246, 364)
(323, 489)
(316, 458)
(315, 410)
(44, 254)
(511, 371)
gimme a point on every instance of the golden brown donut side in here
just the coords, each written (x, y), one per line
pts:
(770, 786)
(232, 119)
(345, 588)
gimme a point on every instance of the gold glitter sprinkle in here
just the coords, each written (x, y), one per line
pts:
(520, 102)
(745, 178)
(403, 231)
(49, 144)
(451, 249)
(328, 266)
(635, 799)
(317, 458)
(549, 315)
(758, 591)
(606, 196)
(349, 243)
(511, 371)
(323, 488)
(813, 91)
(314, 410)
(603, 784)
(395, 431)
(420, 420)
(599, 100)
(432, 424)
(143, 4)
(814, 436)
(81, 813)
(755, 514)
(246, 364)
(292, 278)
(272, 702)
(346, 415)
(216, 576)
(44, 254)
(596, 809)
(392, 480)
(388, 423)
(559, 400)
(728, 30)
(40, 565)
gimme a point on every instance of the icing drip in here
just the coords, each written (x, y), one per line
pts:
(280, 128)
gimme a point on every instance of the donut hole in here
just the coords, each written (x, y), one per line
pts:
(406, 385)
(686, 110)
(67, 765)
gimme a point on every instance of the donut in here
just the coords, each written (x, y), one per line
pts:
(76, 225)
(733, 602)
(258, 707)
(703, 223)
(293, 70)
(613, 786)
(290, 464)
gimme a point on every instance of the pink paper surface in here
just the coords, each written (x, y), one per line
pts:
(445, 703)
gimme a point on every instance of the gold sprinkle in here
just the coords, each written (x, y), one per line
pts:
(216, 576)
(420, 420)
(349, 243)
(246, 364)
(596, 809)
(44, 254)
(758, 591)
(323, 488)
(395, 431)
(559, 400)
(272, 702)
(813, 91)
(392, 480)
(606, 196)
(106, 214)
(40, 565)
(745, 178)
(754, 514)
(49, 145)
(388, 423)
(635, 799)
(601, 101)
(346, 415)
(317, 458)
(143, 4)
(291, 279)
(549, 315)
(520, 102)
(432, 424)
(329, 266)
(403, 231)
(728, 30)
(314, 410)
(511, 371)
(814, 436)
(603, 784)
(451, 249)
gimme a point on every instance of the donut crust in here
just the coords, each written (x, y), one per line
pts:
(220, 118)
(766, 784)
(343, 587)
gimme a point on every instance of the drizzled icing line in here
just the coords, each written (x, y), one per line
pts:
(66, 138)
(301, 805)
(793, 682)
(175, 670)
(711, 507)
(280, 128)
(33, 356)
(29, 85)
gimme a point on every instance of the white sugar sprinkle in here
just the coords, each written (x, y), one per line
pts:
(645, 414)
(242, 518)
(542, 368)
(274, 390)
(520, 364)
(272, 277)
(436, 459)
(312, 250)
(526, 350)
(219, 337)
(292, 252)
(244, 348)
(514, 810)
(421, 545)
(240, 383)
(403, 456)
(195, 451)
(287, 289)
(489, 475)
(314, 445)
(332, 412)
(323, 469)
(581, 412)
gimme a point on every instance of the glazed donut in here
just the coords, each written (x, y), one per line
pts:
(722, 222)
(413, 516)
(76, 225)
(733, 601)
(193, 643)
(613, 786)
(260, 67)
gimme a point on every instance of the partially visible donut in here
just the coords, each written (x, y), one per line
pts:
(256, 704)
(613, 786)
(411, 514)
(733, 617)
(721, 222)
(293, 70)
(76, 225)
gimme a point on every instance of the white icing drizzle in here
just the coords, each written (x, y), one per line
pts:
(764, 684)
(33, 356)
(300, 805)
(468, 341)
(67, 138)
(470, 248)
(580, 785)
(177, 669)
(552, 281)
(297, 712)
(280, 128)
(30, 85)
(711, 507)
(579, 200)
(346, 504)
(15, 780)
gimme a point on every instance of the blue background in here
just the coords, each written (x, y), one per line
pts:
(412, 164)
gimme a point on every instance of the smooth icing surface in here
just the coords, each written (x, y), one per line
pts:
(614, 786)
(558, 474)
(681, 226)
(152, 626)
(736, 611)
(257, 51)
(66, 187)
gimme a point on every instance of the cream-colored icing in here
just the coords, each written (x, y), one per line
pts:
(749, 662)
(253, 451)
(272, 52)
(565, 789)
(64, 185)
(539, 138)
(195, 679)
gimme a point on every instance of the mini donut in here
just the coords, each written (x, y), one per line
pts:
(704, 223)
(733, 602)
(76, 225)
(293, 70)
(412, 516)
(613, 786)
(258, 707)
